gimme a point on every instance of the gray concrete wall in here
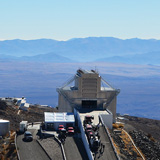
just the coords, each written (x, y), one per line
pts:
(64, 105)
(112, 108)
(76, 98)
(83, 136)
(89, 88)
(108, 120)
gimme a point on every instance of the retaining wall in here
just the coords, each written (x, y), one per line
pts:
(83, 135)
(15, 141)
(108, 134)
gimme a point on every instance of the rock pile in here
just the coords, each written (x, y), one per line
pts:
(3, 105)
(124, 153)
(148, 146)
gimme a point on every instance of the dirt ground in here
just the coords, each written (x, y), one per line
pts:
(149, 126)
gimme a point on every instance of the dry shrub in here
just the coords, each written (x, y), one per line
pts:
(2, 157)
(152, 139)
(3, 145)
(7, 135)
(15, 151)
(12, 138)
(4, 152)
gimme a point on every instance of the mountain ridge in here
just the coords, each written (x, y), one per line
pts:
(80, 49)
(144, 58)
(49, 57)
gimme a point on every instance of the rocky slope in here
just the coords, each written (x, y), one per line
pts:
(34, 114)
(148, 126)
(147, 130)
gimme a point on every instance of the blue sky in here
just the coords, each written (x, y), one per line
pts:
(66, 19)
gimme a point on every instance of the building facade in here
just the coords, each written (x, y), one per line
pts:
(86, 91)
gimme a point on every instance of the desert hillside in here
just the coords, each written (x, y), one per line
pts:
(34, 114)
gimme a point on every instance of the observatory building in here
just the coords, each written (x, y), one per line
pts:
(87, 90)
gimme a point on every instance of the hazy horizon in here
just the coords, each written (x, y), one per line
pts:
(63, 20)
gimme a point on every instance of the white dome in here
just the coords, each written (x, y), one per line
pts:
(3, 121)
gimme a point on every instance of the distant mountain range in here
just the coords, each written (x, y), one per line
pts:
(145, 58)
(106, 49)
(49, 57)
(139, 84)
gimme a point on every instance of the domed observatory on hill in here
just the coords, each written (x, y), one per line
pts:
(87, 90)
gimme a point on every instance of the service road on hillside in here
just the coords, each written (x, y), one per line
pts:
(30, 150)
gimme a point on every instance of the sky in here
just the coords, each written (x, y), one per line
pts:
(67, 19)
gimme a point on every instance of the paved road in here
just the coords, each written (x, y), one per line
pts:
(108, 153)
(52, 148)
(30, 150)
(74, 149)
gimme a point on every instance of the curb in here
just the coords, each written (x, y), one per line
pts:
(115, 151)
(108, 134)
(63, 153)
(15, 141)
(44, 150)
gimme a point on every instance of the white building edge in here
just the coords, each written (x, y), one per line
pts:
(54, 119)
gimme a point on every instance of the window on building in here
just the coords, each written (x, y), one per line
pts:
(50, 126)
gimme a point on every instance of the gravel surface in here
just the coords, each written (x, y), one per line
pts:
(148, 146)
(149, 126)
(52, 147)
(126, 152)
